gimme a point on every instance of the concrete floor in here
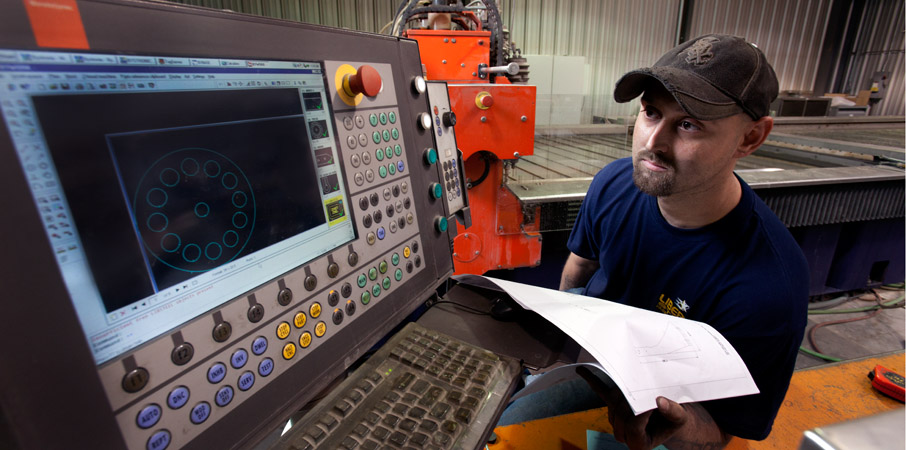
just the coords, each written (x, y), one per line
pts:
(883, 333)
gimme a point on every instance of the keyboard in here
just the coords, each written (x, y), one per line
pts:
(421, 390)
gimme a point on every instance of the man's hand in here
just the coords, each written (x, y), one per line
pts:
(679, 426)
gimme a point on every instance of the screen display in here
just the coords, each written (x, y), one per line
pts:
(170, 185)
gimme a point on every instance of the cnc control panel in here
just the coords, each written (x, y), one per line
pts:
(225, 213)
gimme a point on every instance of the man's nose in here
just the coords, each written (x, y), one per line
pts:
(658, 138)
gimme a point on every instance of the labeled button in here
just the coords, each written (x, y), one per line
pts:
(386, 193)
(355, 160)
(182, 353)
(284, 296)
(148, 416)
(216, 373)
(314, 310)
(337, 316)
(352, 259)
(200, 412)
(358, 178)
(370, 238)
(320, 329)
(178, 397)
(406, 252)
(391, 168)
(398, 150)
(265, 367)
(346, 290)
(351, 142)
(333, 269)
(160, 440)
(366, 297)
(359, 121)
(376, 290)
(135, 379)
(376, 137)
(372, 119)
(386, 136)
(381, 233)
(347, 122)
(369, 175)
(333, 297)
(400, 166)
(382, 172)
(246, 381)
(310, 283)
(386, 283)
(382, 267)
(255, 313)
(383, 118)
(299, 320)
(283, 330)
(398, 275)
(405, 187)
(388, 152)
(395, 259)
(224, 396)
(379, 154)
(259, 345)
(350, 307)
(222, 331)
(392, 117)
(289, 350)
(395, 134)
(372, 274)
(239, 358)
(363, 140)
(305, 340)
(361, 281)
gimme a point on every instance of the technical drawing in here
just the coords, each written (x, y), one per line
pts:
(671, 344)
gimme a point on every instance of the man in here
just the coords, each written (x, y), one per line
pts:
(675, 230)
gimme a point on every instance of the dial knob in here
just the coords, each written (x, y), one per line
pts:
(449, 118)
(366, 80)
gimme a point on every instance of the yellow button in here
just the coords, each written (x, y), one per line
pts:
(315, 310)
(406, 252)
(299, 320)
(283, 330)
(305, 339)
(320, 329)
(289, 350)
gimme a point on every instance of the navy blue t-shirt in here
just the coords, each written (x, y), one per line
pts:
(744, 275)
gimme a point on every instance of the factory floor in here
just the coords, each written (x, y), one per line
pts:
(867, 333)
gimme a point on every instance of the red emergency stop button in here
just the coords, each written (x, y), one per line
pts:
(366, 80)
(484, 100)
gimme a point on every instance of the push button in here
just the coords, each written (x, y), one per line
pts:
(376, 290)
(320, 329)
(350, 307)
(333, 269)
(265, 367)
(259, 345)
(299, 320)
(346, 290)
(160, 440)
(182, 353)
(255, 313)
(178, 397)
(337, 316)
(246, 381)
(148, 416)
(315, 310)
(200, 413)
(398, 150)
(366, 297)
(383, 119)
(305, 340)
(222, 331)
(398, 274)
(284, 296)
(382, 267)
(386, 283)
(436, 190)
(283, 330)
(224, 396)
(361, 280)
(333, 297)
(216, 373)
(289, 350)
(239, 358)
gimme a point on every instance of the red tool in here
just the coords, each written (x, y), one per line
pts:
(888, 382)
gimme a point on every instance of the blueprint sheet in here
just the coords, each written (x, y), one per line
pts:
(647, 354)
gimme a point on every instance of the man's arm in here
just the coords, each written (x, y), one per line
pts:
(577, 271)
(688, 426)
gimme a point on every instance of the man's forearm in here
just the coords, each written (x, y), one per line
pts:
(577, 272)
(699, 433)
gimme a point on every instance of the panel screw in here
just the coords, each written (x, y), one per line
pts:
(444, 61)
(484, 119)
(524, 118)
(446, 40)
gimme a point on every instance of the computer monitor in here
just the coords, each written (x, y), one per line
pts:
(203, 226)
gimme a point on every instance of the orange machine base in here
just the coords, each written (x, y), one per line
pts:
(817, 397)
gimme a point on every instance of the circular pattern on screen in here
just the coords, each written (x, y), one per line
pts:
(195, 209)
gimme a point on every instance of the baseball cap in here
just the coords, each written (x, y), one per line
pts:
(711, 77)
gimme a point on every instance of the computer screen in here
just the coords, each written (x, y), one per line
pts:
(169, 185)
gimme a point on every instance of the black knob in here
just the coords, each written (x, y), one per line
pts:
(449, 118)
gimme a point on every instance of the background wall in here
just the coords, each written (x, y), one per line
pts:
(614, 36)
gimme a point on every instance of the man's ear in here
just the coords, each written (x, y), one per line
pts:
(757, 133)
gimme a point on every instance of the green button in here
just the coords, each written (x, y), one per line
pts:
(436, 190)
(441, 224)
(395, 259)
(392, 168)
(386, 283)
(398, 149)
(379, 154)
(373, 119)
(376, 137)
(376, 290)
(398, 274)
(395, 133)
(366, 297)
(388, 152)
(386, 136)
(372, 274)
(392, 117)
(383, 266)
(362, 280)
(382, 171)
(383, 119)
(431, 156)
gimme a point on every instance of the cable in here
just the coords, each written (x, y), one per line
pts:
(819, 355)
(885, 305)
(875, 310)
(814, 329)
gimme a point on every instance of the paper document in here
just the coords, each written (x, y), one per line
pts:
(647, 354)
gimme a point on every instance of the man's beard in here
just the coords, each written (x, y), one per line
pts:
(658, 184)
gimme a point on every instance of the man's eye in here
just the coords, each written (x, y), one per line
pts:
(650, 112)
(689, 126)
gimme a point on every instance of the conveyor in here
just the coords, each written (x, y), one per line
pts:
(827, 180)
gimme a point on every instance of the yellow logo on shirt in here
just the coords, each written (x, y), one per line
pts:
(674, 308)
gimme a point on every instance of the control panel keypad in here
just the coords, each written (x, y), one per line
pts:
(374, 151)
